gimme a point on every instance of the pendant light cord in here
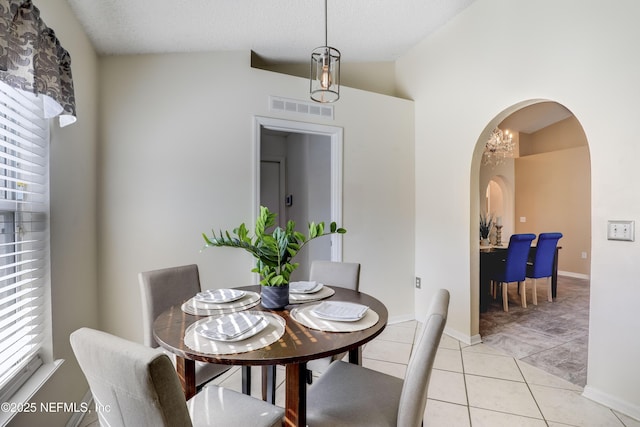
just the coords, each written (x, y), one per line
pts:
(325, 23)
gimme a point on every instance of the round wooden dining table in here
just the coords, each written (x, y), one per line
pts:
(294, 349)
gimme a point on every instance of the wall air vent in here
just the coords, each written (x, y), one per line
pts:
(277, 103)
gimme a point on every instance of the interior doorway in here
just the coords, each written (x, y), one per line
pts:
(498, 201)
(544, 187)
(298, 176)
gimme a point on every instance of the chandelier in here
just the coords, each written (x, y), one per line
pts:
(325, 70)
(499, 146)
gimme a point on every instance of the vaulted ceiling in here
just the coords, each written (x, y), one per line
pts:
(280, 31)
(277, 30)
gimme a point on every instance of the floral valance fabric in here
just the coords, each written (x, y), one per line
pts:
(32, 59)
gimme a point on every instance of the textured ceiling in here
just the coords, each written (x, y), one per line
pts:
(277, 30)
(280, 31)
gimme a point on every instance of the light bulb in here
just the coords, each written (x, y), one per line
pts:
(325, 78)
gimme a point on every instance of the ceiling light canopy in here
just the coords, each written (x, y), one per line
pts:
(325, 70)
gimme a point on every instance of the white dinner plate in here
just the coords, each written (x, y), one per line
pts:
(340, 311)
(233, 327)
(305, 287)
(217, 296)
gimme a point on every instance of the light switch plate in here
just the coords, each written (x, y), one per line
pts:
(621, 230)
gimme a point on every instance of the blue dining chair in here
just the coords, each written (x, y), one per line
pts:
(542, 265)
(514, 267)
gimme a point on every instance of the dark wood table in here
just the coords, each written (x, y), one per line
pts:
(298, 345)
(490, 259)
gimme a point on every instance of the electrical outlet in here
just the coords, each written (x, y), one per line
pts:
(418, 283)
(621, 230)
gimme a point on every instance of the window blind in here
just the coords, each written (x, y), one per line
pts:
(24, 236)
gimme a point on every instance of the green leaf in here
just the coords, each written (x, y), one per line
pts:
(277, 280)
(333, 227)
(207, 240)
(299, 237)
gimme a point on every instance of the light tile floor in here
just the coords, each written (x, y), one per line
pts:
(473, 386)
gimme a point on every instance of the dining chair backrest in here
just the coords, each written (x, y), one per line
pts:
(333, 273)
(160, 289)
(515, 269)
(137, 384)
(342, 274)
(413, 398)
(545, 254)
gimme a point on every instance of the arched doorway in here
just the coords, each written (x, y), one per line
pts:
(498, 201)
(548, 184)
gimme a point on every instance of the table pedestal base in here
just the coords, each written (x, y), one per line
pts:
(296, 395)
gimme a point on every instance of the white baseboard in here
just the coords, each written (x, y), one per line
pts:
(575, 275)
(399, 319)
(465, 339)
(612, 402)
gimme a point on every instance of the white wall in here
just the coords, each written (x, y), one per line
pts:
(73, 218)
(468, 77)
(177, 157)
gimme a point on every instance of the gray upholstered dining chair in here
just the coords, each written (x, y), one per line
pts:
(134, 385)
(160, 289)
(351, 395)
(331, 273)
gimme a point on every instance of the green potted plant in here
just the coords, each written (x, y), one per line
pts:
(274, 251)
(486, 222)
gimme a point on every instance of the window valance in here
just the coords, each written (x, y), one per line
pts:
(32, 59)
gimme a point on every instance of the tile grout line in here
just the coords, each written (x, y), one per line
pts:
(466, 389)
(544, 418)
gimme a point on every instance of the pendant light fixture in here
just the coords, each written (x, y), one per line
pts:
(499, 147)
(325, 70)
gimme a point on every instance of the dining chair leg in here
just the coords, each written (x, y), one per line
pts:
(246, 379)
(523, 294)
(534, 291)
(549, 285)
(269, 383)
(505, 296)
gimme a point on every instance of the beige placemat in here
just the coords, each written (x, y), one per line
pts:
(323, 293)
(304, 316)
(272, 333)
(199, 308)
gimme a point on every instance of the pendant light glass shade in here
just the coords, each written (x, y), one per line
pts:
(325, 74)
(325, 70)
